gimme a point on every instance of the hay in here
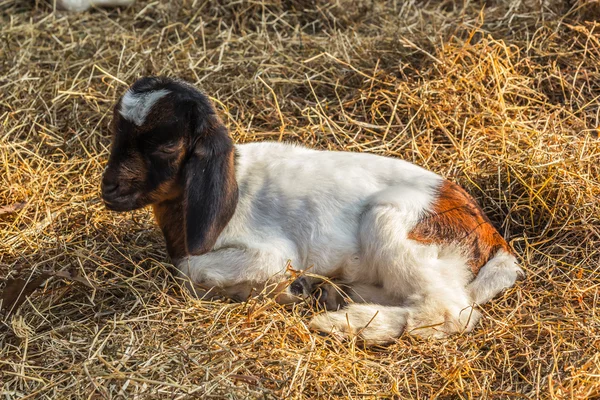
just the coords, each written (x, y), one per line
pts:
(502, 98)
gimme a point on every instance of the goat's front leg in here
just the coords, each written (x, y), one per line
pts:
(238, 273)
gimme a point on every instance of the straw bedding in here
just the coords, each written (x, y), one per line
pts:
(499, 96)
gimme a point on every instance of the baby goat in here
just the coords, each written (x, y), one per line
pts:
(411, 251)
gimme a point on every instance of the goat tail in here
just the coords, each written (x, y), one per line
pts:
(500, 273)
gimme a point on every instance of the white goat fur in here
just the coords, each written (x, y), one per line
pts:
(348, 215)
(82, 5)
(135, 107)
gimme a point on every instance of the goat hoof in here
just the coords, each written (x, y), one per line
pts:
(330, 298)
(300, 287)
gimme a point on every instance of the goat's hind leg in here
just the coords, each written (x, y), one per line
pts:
(355, 314)
(429, 280)
(435, 313)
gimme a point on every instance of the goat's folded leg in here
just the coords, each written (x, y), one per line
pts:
(283, 292)
(300, 289)
(239, 273)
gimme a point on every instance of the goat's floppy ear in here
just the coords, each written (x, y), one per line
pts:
(211, 192)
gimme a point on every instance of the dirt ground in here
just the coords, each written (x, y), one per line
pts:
(499, 96)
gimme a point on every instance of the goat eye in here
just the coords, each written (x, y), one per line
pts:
(167, 150)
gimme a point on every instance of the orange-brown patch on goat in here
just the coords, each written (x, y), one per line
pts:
(456, 218)
(168, 190)
(169, 217)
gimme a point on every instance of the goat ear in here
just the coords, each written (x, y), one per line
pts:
(211, 192)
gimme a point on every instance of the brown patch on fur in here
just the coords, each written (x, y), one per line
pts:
(455, 217)
(169, 216)
(168, 190)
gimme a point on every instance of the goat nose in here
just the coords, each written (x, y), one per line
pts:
(109, 187)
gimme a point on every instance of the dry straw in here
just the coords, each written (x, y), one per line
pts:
(502, 98)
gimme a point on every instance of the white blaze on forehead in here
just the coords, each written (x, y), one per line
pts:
(136, 106)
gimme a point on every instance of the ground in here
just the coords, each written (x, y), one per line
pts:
(499, 96)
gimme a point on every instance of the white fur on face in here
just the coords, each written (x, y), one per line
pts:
(135, 107)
